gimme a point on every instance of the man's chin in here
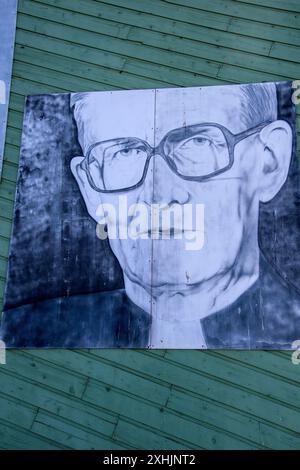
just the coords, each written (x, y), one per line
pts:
(158, 284)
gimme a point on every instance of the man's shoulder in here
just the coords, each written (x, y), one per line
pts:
(280, 300)
(100, 319)
(267, 316)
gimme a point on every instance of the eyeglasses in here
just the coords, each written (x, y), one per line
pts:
(194, 153)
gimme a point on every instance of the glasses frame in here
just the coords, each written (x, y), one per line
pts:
(189, 131)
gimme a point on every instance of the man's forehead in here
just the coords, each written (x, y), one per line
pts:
(150, 114)
(103, 116)
(180, 107)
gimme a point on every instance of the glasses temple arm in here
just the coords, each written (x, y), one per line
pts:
(249, 132)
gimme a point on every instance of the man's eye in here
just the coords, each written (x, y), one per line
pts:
(200, 141)
(127, 153)
(195, 143)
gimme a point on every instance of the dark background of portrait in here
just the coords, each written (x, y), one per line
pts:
(279, 222)
(54, 249)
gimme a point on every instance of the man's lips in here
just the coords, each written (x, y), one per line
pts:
(172, 231)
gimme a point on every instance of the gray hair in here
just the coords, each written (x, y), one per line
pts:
(260, 103)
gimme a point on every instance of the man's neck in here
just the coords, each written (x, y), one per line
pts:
(176, 315)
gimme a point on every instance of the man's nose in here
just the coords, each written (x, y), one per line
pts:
(162, 185)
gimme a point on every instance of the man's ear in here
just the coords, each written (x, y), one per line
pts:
(91, 197)
(277, 140)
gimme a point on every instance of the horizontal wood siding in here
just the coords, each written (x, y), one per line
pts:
(100, 399)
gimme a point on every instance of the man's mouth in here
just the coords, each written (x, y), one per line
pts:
(171, 232)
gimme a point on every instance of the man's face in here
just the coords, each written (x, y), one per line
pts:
(230, 199)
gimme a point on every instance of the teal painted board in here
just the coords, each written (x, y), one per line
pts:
(130, 399)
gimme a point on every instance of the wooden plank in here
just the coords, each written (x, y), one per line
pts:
(10, 170)
(13, 437)
(265, 31)
(49, 77)
(26, 87)
(57, 402)
(7, 189)
(226, 418)
(16, 412)
(288, 5)
(254, 402)
(17, 102)
(221, 54)
(277, 364)
(180, 78)
(127, 431)
(181, 25)
(13, 137)
(2, 288)
(88, 365)
(140, 68)
(66, 440)
(78, 74)
(15, 119)
(71, 434)
(239, 10)
(160, 418)
(240, 75)
(204, 57)
(228, 374)
(281, 51)
(11, 153)
(111, 23)
(6, 208)
(43, 372)
(5, 226)
(239, 374)
(99, 44)
(159, 8)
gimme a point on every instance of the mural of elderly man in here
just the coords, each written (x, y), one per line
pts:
(227, 151)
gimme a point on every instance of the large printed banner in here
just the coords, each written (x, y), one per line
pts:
(163, 218)
(8, 15)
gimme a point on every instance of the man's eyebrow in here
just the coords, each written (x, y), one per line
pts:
(123, 140)
(118, 141)
(189, 131)
(212, 131)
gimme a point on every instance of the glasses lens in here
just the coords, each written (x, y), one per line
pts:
(116, 165)
(202, 152)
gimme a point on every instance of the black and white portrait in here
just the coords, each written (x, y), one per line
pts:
(161, 218)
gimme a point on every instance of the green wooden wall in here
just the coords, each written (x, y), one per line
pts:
(101, 399)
